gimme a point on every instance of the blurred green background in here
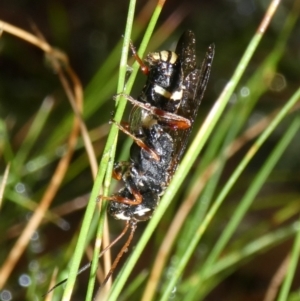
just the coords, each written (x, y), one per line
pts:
(90, 33)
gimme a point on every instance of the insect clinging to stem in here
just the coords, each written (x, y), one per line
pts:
(160, 124)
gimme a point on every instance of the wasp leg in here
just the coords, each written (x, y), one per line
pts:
(117, 198)
(125, 125)
(138, 141)
(118, 169)
(172, 120)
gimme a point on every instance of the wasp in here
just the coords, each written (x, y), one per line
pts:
(160, 124)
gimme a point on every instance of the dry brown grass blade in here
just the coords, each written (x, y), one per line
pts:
(61, 65)
(59, 59)
(52, 282)
(54, 216)
(3, 183)
(56, 213)
(76, 104)
(77, 108)
(277, 279)
(39, 213)
(60, 171)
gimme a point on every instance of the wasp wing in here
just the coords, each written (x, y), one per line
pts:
(194, 85)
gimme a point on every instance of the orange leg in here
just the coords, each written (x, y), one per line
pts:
(138, 141)
(118, 169)
(116, 198)
(173, 120)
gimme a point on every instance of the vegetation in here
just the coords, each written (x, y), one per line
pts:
(230, 216)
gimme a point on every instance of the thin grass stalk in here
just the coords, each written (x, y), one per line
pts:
(5, 146)
(260, 179)
(214, 150)
(49, 194)
(95, 94)
(38, 215)
(34, 131)
(251, 193)
(231, 181)
(121, 84)
(206, 130)
(106, 159)
(254, 247)
(3, 182)
(193, 151)
(284, 292)
(251, 133)
(133, 286)
(258, 83)
(229, 263)
(120, 280)
(277, 279)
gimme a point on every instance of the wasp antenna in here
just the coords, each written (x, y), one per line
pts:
(133, 225)
(117, 239)
(54, 287)
(144, 68)
(85, 267)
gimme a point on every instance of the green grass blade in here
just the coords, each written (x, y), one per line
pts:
(106, 159)
(226, 189)
(122, 277)
(32, 136)
(249, 196)
(121, 83)
(283, 295)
